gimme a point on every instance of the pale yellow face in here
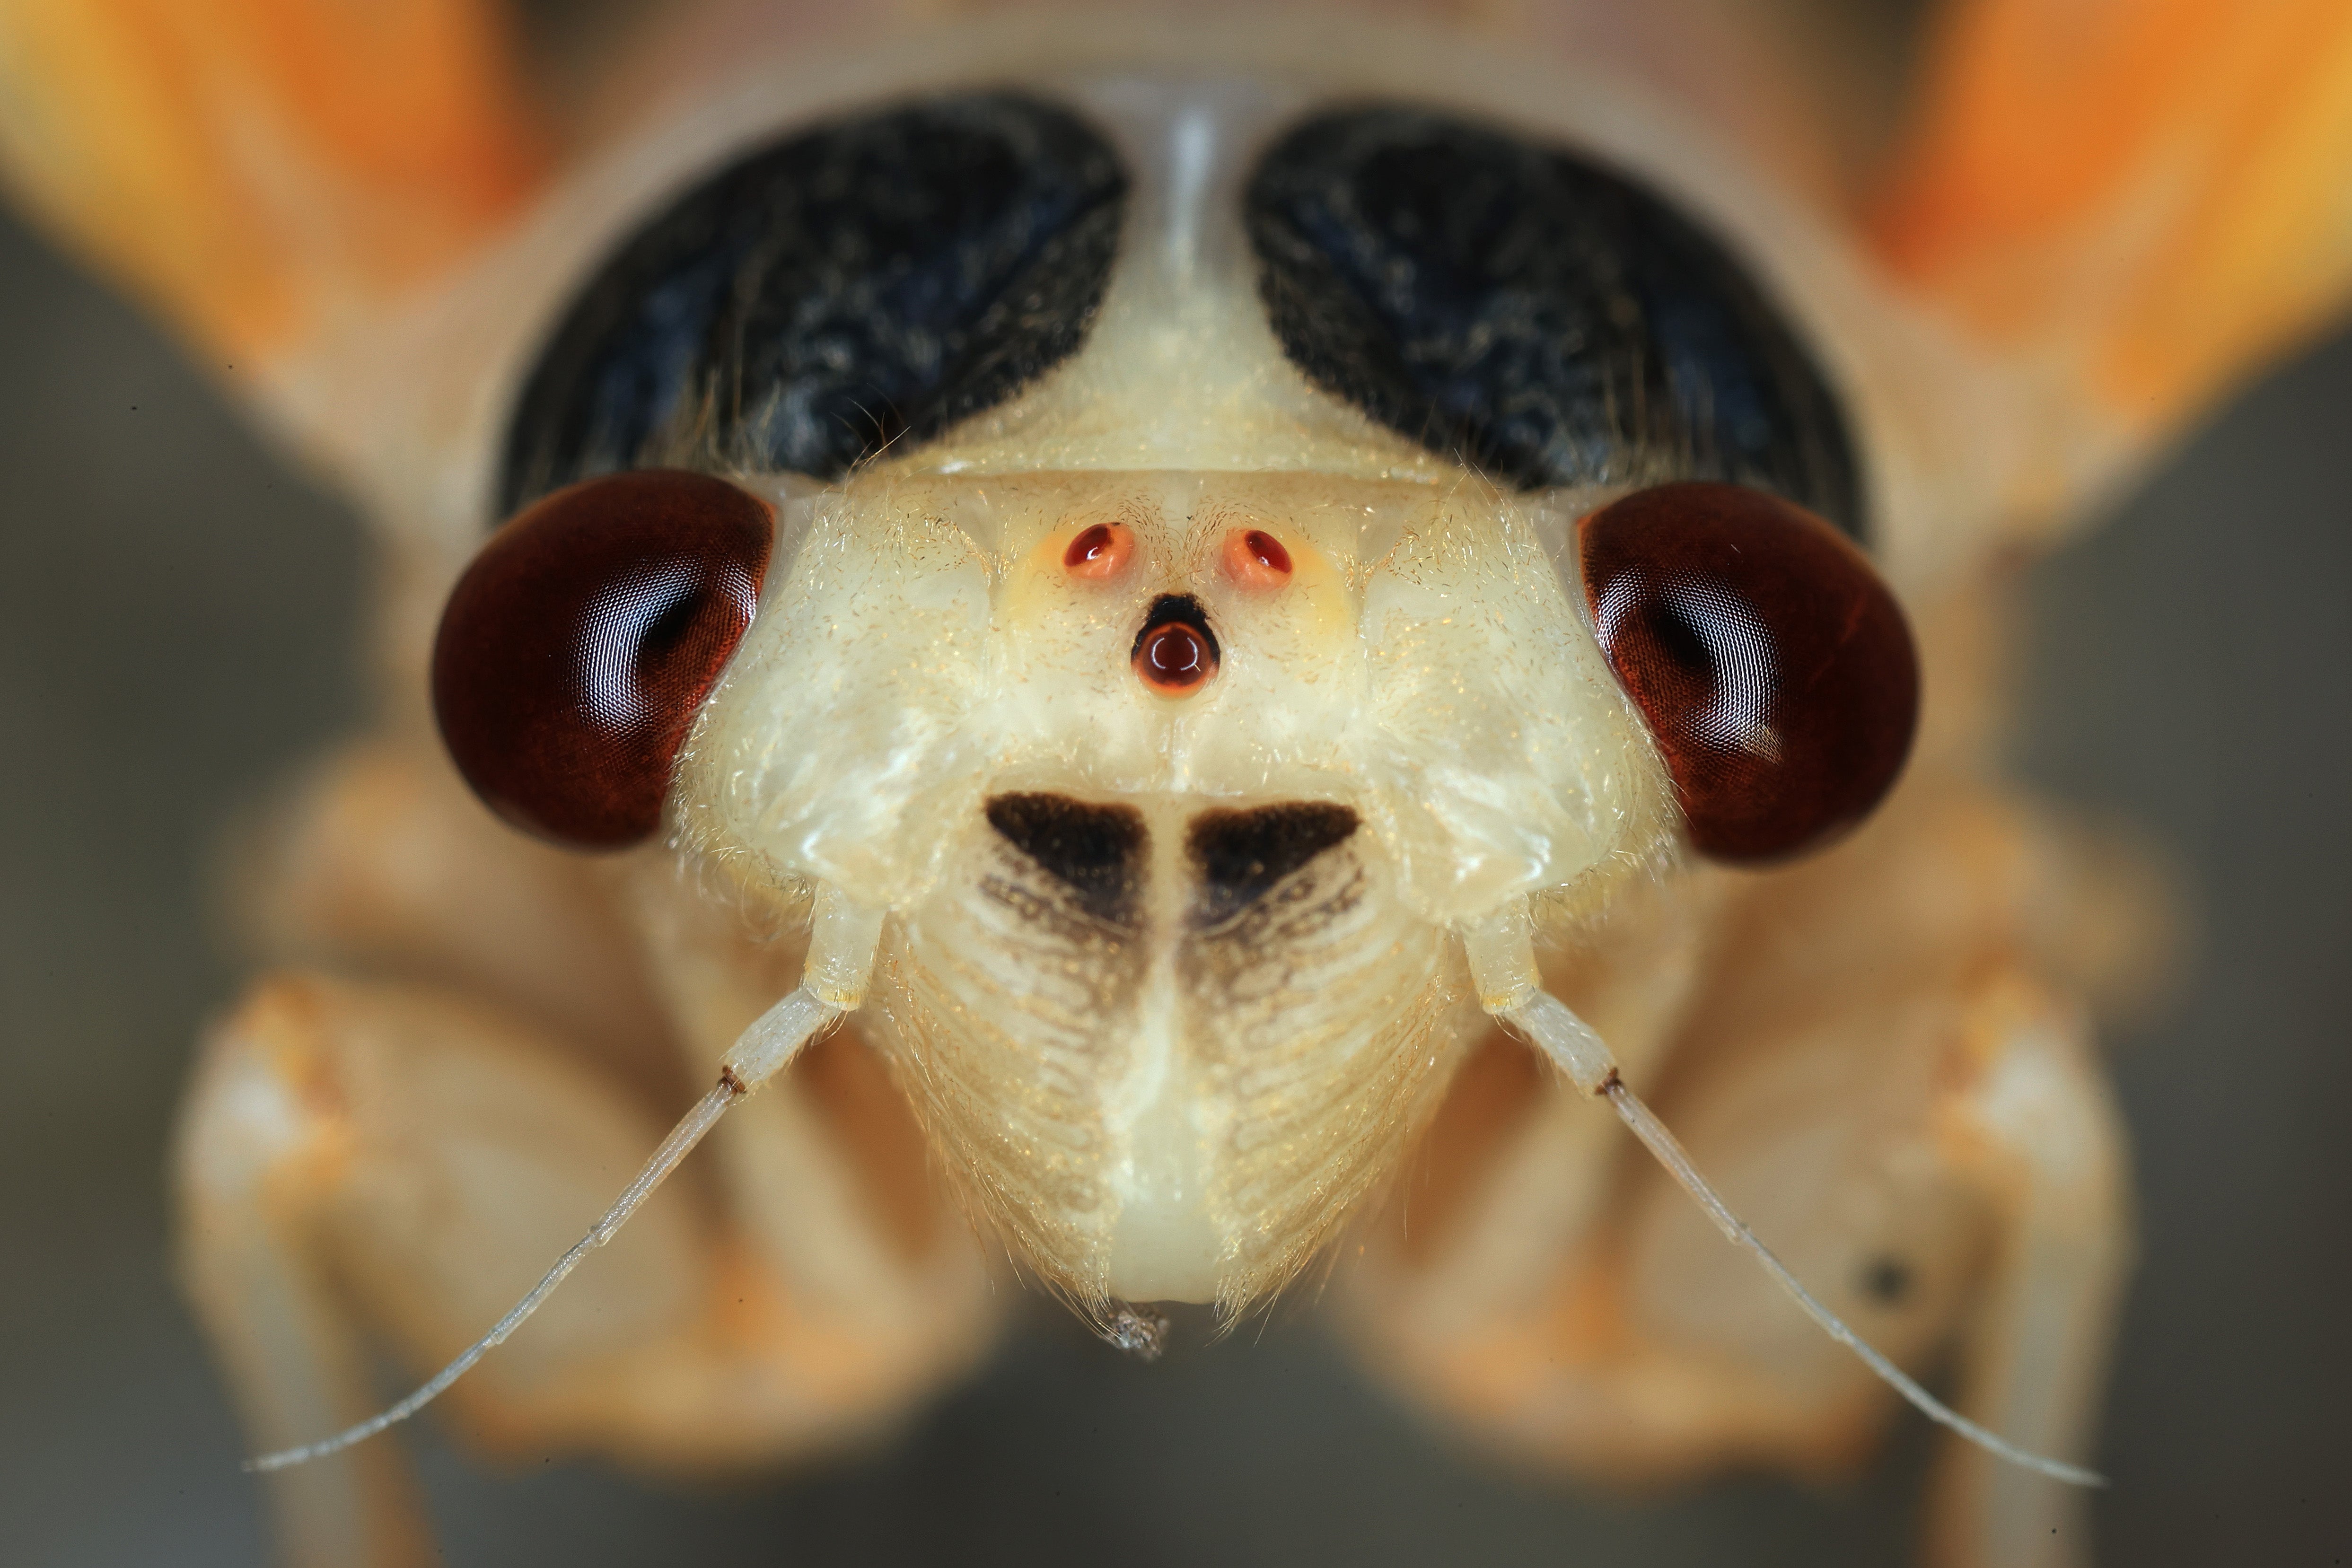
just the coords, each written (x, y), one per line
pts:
(924, 645)
(927, 649)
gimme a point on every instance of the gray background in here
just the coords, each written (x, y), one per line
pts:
(177, 619)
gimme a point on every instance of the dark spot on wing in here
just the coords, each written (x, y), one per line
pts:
(1094, 852)
(1240, 855)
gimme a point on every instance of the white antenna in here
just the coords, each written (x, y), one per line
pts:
(764, 1048)
(1570, 1042)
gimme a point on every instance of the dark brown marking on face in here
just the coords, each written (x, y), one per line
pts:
(1240, 855)
(1096, 853)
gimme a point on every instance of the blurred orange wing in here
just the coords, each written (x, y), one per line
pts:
(2149, 197)
(256, 168)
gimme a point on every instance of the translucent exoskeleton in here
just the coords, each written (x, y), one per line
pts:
(1171, 653)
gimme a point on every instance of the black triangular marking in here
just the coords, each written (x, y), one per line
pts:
(1096, 851)
(1240, 855)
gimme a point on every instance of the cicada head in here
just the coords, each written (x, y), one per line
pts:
(1226, 540)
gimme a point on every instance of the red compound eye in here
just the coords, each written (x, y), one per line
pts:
(1774, 667)
(1255, 559)
(1098, 551)
(576, 648)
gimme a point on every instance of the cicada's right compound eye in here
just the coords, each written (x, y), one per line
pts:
(1774, 666)
(578, 646)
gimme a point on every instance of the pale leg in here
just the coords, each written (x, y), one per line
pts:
(1940, 1167)
(2048, 1146)
(364, 1164)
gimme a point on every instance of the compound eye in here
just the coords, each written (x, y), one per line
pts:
(1098, 552)
(1774, 667)
(1255, 559)
(577, 647)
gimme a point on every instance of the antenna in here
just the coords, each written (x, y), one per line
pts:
(1580, 1052)
(756, 1056)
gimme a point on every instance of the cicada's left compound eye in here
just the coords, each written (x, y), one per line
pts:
(578, 646)
(1773, 665)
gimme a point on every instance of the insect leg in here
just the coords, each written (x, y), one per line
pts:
(840, 961)
(260, 1149)
(2042, 1135)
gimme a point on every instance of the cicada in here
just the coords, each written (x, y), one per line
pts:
(1164, 657)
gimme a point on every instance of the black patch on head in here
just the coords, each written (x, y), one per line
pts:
(1240, 855)
(1172, 608)
(1096, 851)
(1543, 320)
(872, 279)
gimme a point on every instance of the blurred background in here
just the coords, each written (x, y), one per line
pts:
(178, 624)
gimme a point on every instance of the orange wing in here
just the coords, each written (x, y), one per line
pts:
(255, 168)
(2148, 198)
